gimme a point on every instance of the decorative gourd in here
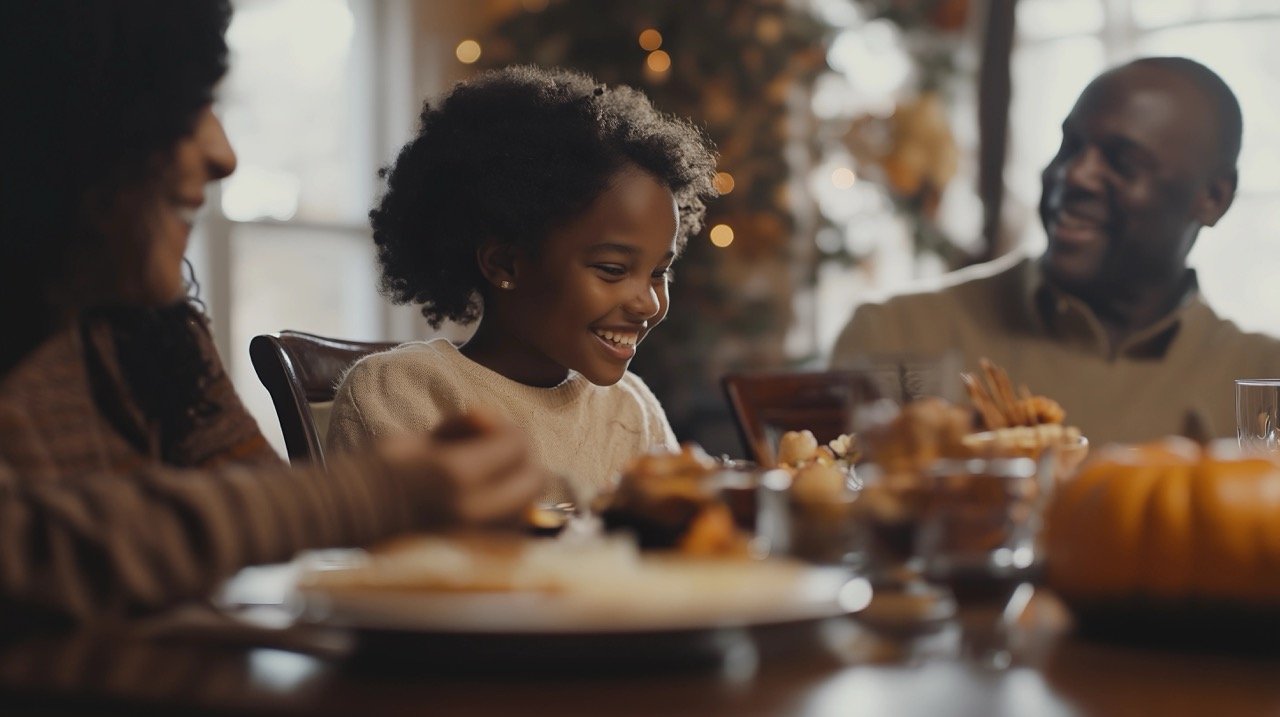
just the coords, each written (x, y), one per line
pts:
(1167, 523)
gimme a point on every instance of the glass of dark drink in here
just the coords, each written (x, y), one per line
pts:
(808, 522)
(978, 536)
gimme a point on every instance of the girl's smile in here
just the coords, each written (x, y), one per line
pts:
(589, 295)
(621, 342)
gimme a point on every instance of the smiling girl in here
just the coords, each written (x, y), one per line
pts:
(549, 209)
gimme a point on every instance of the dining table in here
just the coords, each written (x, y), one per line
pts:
(203, 661)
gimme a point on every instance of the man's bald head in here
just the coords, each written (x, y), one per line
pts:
(1219, 99)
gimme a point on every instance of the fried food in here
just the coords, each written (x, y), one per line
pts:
(818, 483)
(712, 533)
(922, 432)
(1000, 406)
(1019, 423)
(797, 448)
(1021, 440)
(669, 501)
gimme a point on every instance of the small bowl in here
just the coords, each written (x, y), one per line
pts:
(1067, 456)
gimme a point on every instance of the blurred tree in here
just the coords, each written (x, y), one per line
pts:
(912, 152)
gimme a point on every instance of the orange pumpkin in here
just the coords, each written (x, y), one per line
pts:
(1167, 523)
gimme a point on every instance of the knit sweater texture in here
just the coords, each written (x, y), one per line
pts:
(95, 523)
(581, 432)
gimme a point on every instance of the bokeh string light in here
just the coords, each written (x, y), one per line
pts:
(658, 61)
(468, 51)
(723, 183)
(843, 177)
(721, 235)
(650, 40)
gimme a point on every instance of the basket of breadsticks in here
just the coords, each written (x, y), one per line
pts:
(918, 455)
(1016, 423)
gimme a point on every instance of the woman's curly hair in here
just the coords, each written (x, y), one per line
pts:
(509, 156)
(97, 95)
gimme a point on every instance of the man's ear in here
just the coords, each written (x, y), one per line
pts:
(497, 261)
(1218, 195)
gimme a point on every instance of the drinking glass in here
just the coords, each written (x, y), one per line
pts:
(978, 537)
(1257, 408)
(818, 529)
(887, 518)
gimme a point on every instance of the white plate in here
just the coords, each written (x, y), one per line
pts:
(566, 590)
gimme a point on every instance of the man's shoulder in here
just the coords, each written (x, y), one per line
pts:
(1223, 330)
(992, 281)
(966, 306)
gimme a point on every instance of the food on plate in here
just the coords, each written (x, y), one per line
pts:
(662, 497)
(481, 562)
(1168, 523)
(547, 520)
(501, 586)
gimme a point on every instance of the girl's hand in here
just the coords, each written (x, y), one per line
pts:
(472, 470)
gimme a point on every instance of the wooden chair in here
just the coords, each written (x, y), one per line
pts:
(766, 405)
(301, 372)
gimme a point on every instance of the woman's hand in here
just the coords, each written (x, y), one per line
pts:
(472, 470)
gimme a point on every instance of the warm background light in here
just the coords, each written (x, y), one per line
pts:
(843, 177)
(468, 51)
(723, 182)
(650, 39)
(721, 235)
(534, 5)
(658, 61)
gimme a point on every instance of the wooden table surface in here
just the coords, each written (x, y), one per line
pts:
(833, 668)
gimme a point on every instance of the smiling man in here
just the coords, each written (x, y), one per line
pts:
(1109, 319)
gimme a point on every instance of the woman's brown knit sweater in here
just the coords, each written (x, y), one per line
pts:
(93, 523)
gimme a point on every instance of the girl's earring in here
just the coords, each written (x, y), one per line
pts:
(504, 284)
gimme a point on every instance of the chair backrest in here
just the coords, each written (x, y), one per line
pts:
(766, 405)
(301, 372)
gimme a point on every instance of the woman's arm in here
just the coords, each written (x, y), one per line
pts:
(115, 544)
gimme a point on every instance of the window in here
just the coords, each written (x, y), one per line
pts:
(285, 243)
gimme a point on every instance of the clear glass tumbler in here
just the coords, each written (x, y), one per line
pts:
(1258, 414)
(979, 537)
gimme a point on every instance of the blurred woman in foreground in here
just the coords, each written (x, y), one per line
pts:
(130, 475)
